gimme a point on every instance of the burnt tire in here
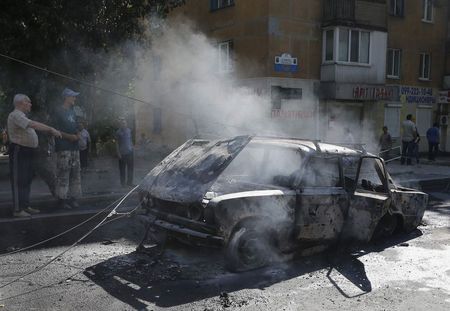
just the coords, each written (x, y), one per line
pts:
(250, 247)
(386, 227)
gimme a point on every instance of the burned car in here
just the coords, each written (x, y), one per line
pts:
(262, 197)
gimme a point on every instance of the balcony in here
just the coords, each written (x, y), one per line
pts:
(335, 10)
(369, 14)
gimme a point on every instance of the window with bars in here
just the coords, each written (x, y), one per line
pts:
(225, 51)
(425, 66)
(396, 7)
(220, 4)
(427, 6)
(393, 63)
(353, 46)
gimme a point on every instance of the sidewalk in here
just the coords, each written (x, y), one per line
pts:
(100, 186)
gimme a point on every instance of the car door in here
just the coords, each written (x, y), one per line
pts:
(369, 197)
(321, 201)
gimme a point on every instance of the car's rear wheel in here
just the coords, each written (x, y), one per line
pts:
(251, 246)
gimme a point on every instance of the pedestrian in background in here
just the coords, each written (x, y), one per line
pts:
(125, 153)
(68, 179)
(84, 144)
(4, 140)
(44, 159)
(409, 133)
(385, 143)
(348, 137)
(433, 137)
(23, 143)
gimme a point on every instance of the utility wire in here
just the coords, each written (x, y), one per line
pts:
(90, 84)
(71, 246)
(122, 215)
(60, 234)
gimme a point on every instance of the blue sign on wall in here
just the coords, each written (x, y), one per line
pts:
(286, 63)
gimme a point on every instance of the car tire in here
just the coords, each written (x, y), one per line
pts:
(251, 246)
(386, 227)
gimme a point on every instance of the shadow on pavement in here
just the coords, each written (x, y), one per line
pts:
(183, 275)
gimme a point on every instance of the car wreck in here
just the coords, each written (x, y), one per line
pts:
(262, 197)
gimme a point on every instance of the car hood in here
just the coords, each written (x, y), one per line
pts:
(188, 172)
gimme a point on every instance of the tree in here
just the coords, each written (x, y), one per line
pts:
(58, 34)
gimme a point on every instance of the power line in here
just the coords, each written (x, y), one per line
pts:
(113, 212)
(93, 85)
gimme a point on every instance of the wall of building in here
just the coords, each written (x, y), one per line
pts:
(362, 96)
(413, 36)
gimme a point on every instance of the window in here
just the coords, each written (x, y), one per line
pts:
(329, 44)
(392, 120)
(260, 163)
(393, 63)
(396, 7)
(425, 65)
(423, 118)
(371, 176)
(354, 46)
(220, 4)
(225, 56)
(322, 172)
(427, 10)
(343, 45)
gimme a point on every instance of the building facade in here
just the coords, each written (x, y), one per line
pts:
(331, 67)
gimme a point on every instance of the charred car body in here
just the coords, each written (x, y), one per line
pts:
(260, 197)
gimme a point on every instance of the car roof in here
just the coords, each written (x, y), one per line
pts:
(312, 146)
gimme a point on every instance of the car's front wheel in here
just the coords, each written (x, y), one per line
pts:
(251, 246)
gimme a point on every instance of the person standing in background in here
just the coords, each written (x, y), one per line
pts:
(433, 137)
(385, 143)
(68, 179)
(125, 153)
(44, 159)
(23, 143)
(84, 144)
(409, 134)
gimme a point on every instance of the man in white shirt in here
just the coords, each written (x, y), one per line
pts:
(409, 134)
(23, 142)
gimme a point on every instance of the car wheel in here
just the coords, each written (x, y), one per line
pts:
(386, 226)
(250, 247)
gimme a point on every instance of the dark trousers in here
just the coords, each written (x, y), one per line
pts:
(432, 150)
(84, 158)
(21, 174)
(126, 163)
(407, 152)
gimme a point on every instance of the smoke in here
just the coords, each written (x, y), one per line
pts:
(189, 96)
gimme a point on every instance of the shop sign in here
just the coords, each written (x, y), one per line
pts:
(292, 114)
(373, 92)
(419, 95)
(286, 63)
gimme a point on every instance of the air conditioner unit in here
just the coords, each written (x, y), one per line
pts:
(444, 120)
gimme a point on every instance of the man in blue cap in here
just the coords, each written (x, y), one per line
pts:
(68, 179)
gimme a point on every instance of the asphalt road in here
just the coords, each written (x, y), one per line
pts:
(406, 272)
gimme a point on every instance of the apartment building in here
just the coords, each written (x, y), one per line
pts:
(332, 65)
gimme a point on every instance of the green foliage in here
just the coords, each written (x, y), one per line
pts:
(58, 34)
